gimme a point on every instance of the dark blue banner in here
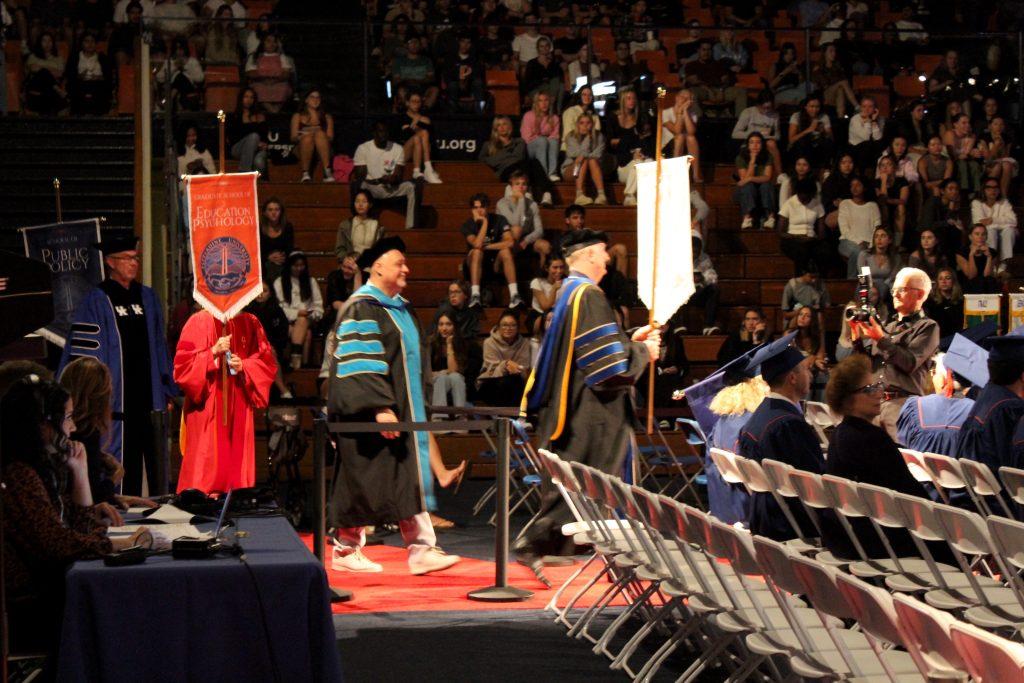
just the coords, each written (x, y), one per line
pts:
(67, 249)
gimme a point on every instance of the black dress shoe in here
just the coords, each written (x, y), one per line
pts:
(532, 560)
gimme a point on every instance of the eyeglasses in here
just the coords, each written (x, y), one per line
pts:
(991, 187)
(904, 290)
(135, 258)
(872, 388)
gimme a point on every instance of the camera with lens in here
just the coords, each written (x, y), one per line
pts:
(864, 311)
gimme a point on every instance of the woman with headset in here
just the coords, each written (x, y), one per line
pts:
(49, 517)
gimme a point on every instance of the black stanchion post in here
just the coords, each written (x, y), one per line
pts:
(160, 421)
(501, 591)
(319, 492)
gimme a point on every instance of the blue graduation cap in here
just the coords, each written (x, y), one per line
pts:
(968, 359)
(975, 333)
(776, 358)
(700, 395)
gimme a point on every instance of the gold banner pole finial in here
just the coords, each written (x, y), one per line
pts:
(56, 192)
(651, 371)
(220, 126)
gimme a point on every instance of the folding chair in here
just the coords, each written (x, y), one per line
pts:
(985, 484)
(989, 658)
(757, 479)
(657, 452)
(817, 501)
(927, 632)
(1013, 479)
(820, 417)
(947, 475)
(913, 460)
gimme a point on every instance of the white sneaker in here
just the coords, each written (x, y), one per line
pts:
(555, 178)
(748, 222)
(433, 560)
(711, 330)
(546, 200)
(769, 223)
(474, 301)
(516, 302)
(328, 176)
(601, 199)
(417, 174)
(431, 175)
(583, 200)
(629, 200)
(353, 561)
(306, 178)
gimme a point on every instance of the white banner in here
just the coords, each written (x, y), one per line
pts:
(1016, 311)
(981, 307)
(665, 278)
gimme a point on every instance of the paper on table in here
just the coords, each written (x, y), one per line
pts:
(170, 531)
(168, 514)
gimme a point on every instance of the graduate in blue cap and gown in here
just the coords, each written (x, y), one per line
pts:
(723, 404)
(988, 434)
(777, 431)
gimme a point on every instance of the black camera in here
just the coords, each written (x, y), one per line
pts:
(864, 311)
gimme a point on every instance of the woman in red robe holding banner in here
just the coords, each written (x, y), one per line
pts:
(219, 451)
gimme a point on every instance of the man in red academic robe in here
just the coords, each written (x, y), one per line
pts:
(218, 456)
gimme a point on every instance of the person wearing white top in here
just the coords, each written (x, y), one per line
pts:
(997, 215)
(865, 136)
(301, 302)
(524, 45)
(801, 220)
(378, 170)
(679, 128)
(523, 214)
(545, 289)
(576, 67)
(858, 219)
(193, 158)
(910, 31)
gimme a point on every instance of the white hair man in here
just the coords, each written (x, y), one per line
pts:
(901, 349)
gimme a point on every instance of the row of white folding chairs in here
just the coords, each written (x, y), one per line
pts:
(750, 627)
(952, 476)
(984, 586)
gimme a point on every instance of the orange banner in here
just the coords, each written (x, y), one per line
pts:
(224, 236)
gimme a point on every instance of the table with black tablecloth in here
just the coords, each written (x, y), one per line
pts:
(204, 620)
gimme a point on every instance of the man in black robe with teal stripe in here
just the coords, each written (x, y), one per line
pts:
(581, 387)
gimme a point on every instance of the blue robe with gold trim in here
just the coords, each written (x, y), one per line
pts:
(379, 363)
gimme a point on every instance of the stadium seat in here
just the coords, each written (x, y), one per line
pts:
(505, 89)
(126, 89)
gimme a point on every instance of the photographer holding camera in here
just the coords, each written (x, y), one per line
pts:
(901, 348)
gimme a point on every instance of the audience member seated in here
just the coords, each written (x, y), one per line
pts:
(689, 44)
(464, 78)
(863, 452)
(904, 161)
(699, 212)
(414, 71)
(1000, 152)
(171, 20)
(946, 304)
(855, 55)
(247, 134)
(526, 45)
(543, 74)
(731, 52)
(810, 341)
(456, 306)
(892, 194)
(223, 44)
(929, 255)
(312, 130)
(883, 259)
(49, 517)
(761, 118)
(672, 366)
(613, 284)
(523, 215)
(801, 227)
(866, 135)
(679, 129)
(753, 332)
(785, 79)
(491, 242)
(858, 218)
(810, 134)
(705, 279)
(414, 132)
(805, 290)
(505, 155)
(712, 82)
(583, 104)
(299, 296)
(630, 139)
(934, 168)
(449, 363)
(89, 79)
(540, 129)
(800, 170)
(754, 191)
(918, 128)
(45, 94)
(506, 363)
(277, 238)
(392, 44)
(341, 283)
(268, 311)
(193, 157)
(967, 155)
(254, 39)
(829, 78)
(989, 112)
(122, 38)
(186, 77)
(623, 70)
(358, 233)
(730, 503)
(379, 164)
(583, 154)
(545, 289)
(569, 44)
(947, 216)
(976, 264)
(948, 83)
(994, 211)
(576, 68)
(270, 73)
(494, 50)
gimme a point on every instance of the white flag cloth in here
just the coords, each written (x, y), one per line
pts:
(674, 284)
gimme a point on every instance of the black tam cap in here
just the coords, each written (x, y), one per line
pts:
(777, 358)
(117, 240)
(582, 238)
(379, 248)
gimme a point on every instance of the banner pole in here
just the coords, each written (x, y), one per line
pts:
(224, 376)
(220, 127)
(654, 271)
(56, 191)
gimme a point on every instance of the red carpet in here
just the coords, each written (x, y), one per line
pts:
(396, 590)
